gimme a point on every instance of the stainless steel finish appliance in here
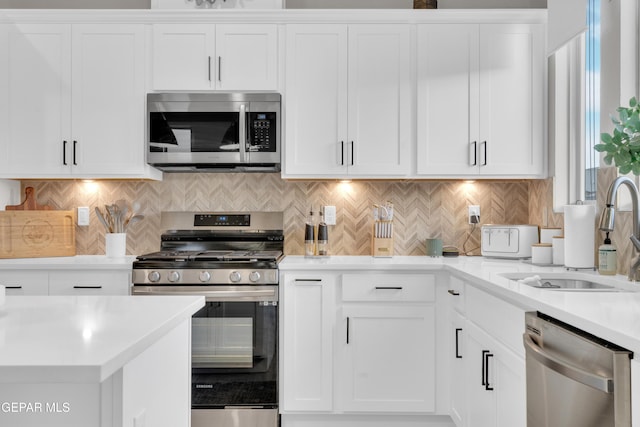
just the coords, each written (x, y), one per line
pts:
(573, 378)
(214, 132)
(232, 259)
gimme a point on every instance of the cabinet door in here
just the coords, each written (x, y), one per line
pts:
(108, 99)
(35, 78)
(496, 392)
(457, 356)
(247, 57)
(316, 100)
(308, 308)
(511, 96)
(183, 56)
(25, 282)
(388, 358)
(447, 100)
(94, 282)
(380, 109)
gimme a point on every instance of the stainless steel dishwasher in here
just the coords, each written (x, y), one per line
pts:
(573, 378)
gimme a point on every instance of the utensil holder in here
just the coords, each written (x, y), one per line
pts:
(382, 246)
(115, 245)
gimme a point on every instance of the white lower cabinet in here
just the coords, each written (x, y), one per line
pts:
(25, 282)
(496, 382)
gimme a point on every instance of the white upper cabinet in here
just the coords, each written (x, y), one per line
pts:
(35, 80)
(481, 100)
(348, 101)
(219, 57)
(74, 104)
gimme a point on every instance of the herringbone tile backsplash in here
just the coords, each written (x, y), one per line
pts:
(423, 209)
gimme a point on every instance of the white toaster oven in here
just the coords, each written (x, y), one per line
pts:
(508, 241)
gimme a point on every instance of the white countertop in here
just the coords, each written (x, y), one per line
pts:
(82, 339)
(614, 316)
(78, 262)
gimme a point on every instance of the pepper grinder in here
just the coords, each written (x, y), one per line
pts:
(323, 237)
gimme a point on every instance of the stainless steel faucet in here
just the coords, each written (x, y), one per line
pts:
(608, 217)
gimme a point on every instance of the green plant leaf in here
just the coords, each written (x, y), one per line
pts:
(633, 102)
(607, 159)
(625, 169)
(606, 138)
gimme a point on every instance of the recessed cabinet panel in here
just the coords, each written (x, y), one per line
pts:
(37, 99)
(25, 282)
(388, 359)
(94, 282)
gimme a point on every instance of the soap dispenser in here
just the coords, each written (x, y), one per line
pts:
(607, 257)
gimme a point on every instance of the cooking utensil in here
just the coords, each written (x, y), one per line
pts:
(132, 220)
(103, 220)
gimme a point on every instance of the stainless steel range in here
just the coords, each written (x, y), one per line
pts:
(232, 259)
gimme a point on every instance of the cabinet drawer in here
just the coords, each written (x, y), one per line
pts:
(456, 292)
(89, 283)
(25, 282)
(500, 319)
(388, 287)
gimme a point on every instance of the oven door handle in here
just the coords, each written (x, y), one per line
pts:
(601, 383)
(267, 293)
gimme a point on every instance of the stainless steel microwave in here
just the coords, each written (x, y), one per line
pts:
(214, 132)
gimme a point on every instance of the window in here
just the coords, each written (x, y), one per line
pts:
(592, 99)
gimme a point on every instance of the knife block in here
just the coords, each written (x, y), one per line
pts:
(381, 246)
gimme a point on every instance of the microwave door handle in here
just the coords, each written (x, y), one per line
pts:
(242, 143)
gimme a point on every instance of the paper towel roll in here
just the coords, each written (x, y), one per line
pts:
(579, 236)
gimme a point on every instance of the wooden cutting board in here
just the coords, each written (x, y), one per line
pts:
(30, 230)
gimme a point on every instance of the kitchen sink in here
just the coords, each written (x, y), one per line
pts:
(562, 282)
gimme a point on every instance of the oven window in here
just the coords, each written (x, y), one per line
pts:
(222, 342)
(190, 132)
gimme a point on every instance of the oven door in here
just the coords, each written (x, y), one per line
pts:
(234, 345)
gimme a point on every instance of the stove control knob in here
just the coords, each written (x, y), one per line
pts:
(205, 276)
(235, 276)
(254, 276)
(154, 276)
(174, 276)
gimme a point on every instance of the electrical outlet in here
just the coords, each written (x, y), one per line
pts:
(474, 214)
(83, 216)
(330, 215)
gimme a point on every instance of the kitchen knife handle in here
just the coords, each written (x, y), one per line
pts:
(75, 144)
(473, 149)
(458, 355)
(64, 153)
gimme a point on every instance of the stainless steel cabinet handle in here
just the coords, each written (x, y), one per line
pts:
(458, 355)
(599, 382)
(64, 153)
(395, 288)
(75, 144)
(473, 149)
(243, 132)
(454, 293)
(87, 287)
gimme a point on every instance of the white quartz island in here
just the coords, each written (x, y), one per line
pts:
(96, 360)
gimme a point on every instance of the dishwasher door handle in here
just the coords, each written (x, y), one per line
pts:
(601, 383)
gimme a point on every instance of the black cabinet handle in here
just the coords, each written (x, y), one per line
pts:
(87, 287)
(219, 68)
(75, 144)
(341, 153)
(308, 280)
(486, 354)
(484, 147)
(454, 293)
(475, 153)
(347, 330)
(395, 288)
(13, 287)
(351, 153)
(209, 69)
(458, 355)
(64, 153)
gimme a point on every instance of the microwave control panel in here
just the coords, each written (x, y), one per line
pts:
(262, 131)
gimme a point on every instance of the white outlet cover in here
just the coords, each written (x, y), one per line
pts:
(83, 216)
(330, 215)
